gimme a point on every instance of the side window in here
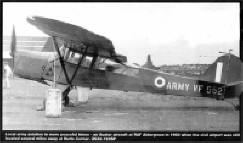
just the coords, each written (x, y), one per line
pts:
(100, 63)
(73, 57)
(87, 61)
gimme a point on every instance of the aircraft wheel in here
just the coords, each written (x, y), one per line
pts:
(220, 97)
(66, 100)
(65, 96)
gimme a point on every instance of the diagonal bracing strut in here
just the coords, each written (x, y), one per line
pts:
(69, 81)
(79, 63)
(61, 60)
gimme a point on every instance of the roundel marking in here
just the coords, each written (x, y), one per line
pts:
(159, 82)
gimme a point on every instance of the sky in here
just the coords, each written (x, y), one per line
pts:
(172, 33)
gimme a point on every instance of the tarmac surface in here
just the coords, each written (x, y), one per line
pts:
(116, 110)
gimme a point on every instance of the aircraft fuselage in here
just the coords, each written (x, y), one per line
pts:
(35, 66)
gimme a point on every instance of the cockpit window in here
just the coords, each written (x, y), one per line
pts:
(75, 57)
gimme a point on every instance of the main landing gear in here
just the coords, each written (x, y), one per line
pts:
(65, 97)
(82, 96)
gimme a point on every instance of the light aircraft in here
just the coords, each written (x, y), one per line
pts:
(86, 59)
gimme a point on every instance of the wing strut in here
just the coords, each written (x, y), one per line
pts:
(67, 90)
(69, 81)
(79, 62)
(61, 60)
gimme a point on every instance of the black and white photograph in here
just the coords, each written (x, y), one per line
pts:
(145, 67)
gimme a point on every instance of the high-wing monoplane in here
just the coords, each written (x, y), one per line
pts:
(86, 59)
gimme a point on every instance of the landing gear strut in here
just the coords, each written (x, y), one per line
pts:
(65, 96)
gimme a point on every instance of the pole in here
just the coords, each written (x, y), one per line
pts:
(54, 68)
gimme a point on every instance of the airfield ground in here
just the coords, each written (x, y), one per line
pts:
(116, 110)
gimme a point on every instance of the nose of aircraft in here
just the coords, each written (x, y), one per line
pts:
(29, 64)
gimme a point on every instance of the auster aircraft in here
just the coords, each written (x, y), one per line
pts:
(74, 45)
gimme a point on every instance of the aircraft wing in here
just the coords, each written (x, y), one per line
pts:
(78, 37)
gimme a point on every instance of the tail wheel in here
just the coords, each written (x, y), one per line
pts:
(220, 97)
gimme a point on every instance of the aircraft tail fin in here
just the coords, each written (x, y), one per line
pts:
(226, 69)
(48, 47)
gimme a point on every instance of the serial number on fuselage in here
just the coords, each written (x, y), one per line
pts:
(198, 88)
